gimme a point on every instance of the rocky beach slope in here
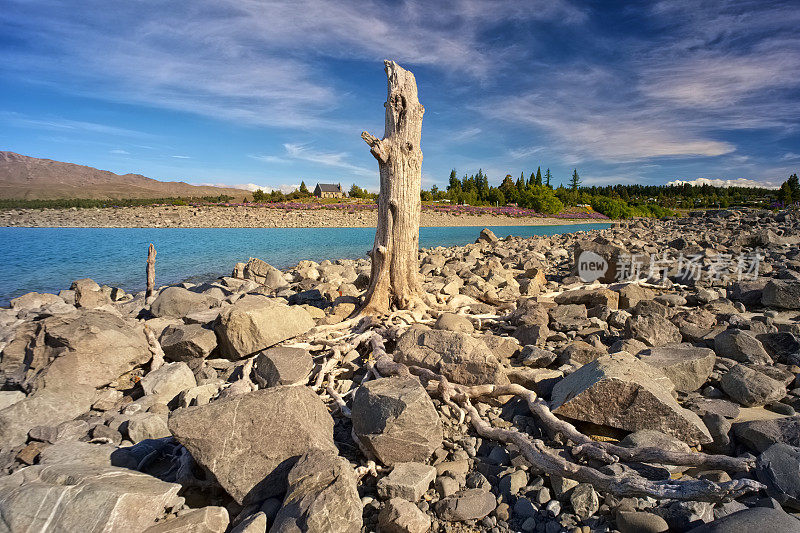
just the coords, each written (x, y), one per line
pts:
(248, 217)
(642, 378)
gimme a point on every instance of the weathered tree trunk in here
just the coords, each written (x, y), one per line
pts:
(151, 271)
(394, 279)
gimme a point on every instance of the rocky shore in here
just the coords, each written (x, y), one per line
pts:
(642, 378)
(245, 217)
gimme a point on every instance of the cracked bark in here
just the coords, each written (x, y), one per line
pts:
(394, 280)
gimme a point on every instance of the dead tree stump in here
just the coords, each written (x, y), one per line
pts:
(394, 279)
(151, 270)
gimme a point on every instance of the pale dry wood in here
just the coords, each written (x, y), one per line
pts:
(551, 462)
(394, 279)
(628, 484)
(155, 348)
(151, 271)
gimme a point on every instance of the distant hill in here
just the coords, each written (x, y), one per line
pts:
(29, 178)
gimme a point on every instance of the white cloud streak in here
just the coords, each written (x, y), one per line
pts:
(718, 182)
(249, 60)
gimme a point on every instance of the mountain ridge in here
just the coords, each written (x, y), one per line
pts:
(30, 178)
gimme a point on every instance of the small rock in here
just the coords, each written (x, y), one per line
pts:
(469, 504)
(168, 381)
(640, 522)
(210, 519)
(584, 500)
(407, 480)
(454, 322)
(402, 516)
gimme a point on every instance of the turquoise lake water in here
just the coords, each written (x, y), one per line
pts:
(49, 259)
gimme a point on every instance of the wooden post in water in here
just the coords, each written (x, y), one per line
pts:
(151, 271)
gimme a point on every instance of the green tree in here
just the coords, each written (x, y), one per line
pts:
(785, 193)
(259, 196)
(794, 186)
(453, 181)
(538, 181)
(575, 181)
(547, 177)
(304, 190)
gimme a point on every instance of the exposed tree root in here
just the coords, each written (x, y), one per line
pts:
(155, 348)
(374, 332)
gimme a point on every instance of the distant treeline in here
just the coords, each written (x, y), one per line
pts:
(86, 203)
(615, 201)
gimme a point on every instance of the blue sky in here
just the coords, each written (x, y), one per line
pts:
(268, 93)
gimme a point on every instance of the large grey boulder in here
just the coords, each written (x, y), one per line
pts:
(250, 442)
(255, 322)
(779, 469)
(607, 260)
(396, 421)
(76, 497)
(741, 346)
(42, 408)
(187, 341)
(65, 359)
(283, 365)
(620, 391)
(143, 426)
(322, 497)
(487, 235)
(653, 330)
(168, 381)
(457, 356)
(758, 435)
(688, 367)
(760, 519)
(568, 317)
(633, 293)
(750, 387)
(87, 348)
(179, 302)
(33, 301)
(781, 293)
(263, 273)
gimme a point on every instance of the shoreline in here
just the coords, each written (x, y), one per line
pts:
(250, 217)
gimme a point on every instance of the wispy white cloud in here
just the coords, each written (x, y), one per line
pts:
(519, 153)
(67, 125)
(465, 134)
(269, 158)
(711, 67)
(119, 152)
(304, 152)
(790, 156)
(253, 187)
(246, 60)
(717, 182)
(181, 157)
